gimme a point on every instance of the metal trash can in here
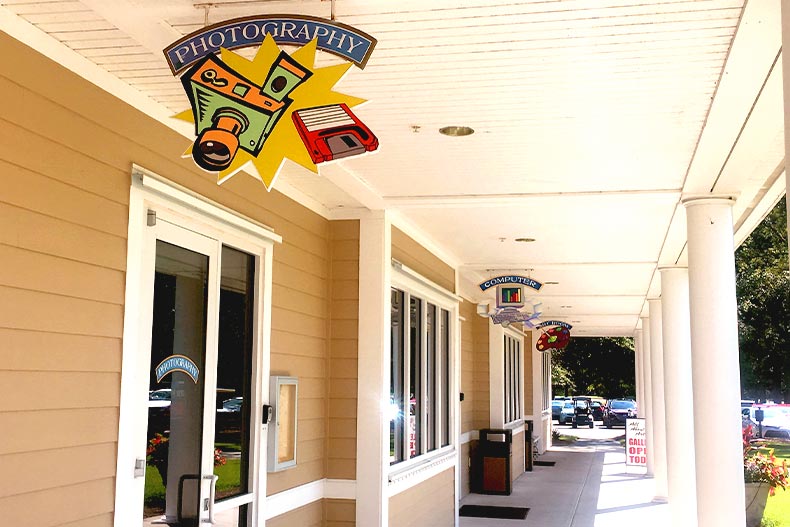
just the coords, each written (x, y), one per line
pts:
(529, 447)
(495, 452)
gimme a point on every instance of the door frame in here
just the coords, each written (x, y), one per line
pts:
(178, 205)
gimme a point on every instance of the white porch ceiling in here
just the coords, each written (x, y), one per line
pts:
(591, 120)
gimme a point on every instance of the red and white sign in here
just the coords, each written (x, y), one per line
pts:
(635, 443)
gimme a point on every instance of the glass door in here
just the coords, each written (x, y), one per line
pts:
(199, 369)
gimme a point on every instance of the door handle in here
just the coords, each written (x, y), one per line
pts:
(209, 505)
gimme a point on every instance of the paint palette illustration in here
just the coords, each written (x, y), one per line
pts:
(554, 338)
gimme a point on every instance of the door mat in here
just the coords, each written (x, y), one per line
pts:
(544, 463)
(490, 511)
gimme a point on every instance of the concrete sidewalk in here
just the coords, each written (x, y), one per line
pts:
(587, 487)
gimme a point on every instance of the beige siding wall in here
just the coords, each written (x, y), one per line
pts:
(429, 503)
(342, 400)
(481, 410)
(468, 313)
(529, 382)
(416, 257)
(320, 513)
(66, 150)
(311, 515)
(517, 456)
(339, 513)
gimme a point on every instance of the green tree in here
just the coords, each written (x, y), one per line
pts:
(602, 366)
(763, 288)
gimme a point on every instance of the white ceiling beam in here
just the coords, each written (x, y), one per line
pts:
(510, 266)
(465, 200)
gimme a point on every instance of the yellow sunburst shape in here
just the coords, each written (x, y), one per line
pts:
(284, 141)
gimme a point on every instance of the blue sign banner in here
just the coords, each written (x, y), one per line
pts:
(511, 279)
(555, 323)
(333, 37)
(180, 363)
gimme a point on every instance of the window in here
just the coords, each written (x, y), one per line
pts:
(419, 376)
(513, 378)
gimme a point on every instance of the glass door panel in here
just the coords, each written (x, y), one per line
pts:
(234, 382)
(176, 386)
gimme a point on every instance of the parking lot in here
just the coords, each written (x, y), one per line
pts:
(599, 432)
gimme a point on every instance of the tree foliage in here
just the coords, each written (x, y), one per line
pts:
(601, 366)
(763, 288)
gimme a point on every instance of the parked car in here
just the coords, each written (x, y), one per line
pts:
(556, 408)
(598, 410)
(566, 413)
(618, 411)
(776, 420)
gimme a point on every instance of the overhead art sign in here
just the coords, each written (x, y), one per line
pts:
(556, 337)
(253, 114)
(555, 323)
(180, 363)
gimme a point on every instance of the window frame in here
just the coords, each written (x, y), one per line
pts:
(513, 378)
(413, 285)
(155, 202)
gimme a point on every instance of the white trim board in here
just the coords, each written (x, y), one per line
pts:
(291, 499)
(421, 473)
(471, 435)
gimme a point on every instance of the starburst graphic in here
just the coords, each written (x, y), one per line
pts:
(283, 140)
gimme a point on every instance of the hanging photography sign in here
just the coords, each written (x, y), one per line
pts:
(333, 37)
(253, 114)
(635, 443)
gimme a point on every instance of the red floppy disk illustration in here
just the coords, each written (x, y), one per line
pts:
(333, 132)
(554, 338)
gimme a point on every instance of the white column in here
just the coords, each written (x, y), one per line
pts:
(659, 421)
(786, 76)
(715, 368)
(496, 375)
(373, 440)
(648, 394)
(681, 475)
(638, 382)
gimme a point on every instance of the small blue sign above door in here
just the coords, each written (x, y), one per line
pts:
(180, 363)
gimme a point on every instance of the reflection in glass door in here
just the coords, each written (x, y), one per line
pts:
(176, 385)
(232, 432)
(199, 430)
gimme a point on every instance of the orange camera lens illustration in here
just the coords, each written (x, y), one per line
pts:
(216, 147)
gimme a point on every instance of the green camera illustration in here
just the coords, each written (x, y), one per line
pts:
(231, 112)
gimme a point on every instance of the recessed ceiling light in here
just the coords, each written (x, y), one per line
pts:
(525, 240)
(456, 131)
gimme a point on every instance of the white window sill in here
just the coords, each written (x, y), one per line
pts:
(420, 469)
